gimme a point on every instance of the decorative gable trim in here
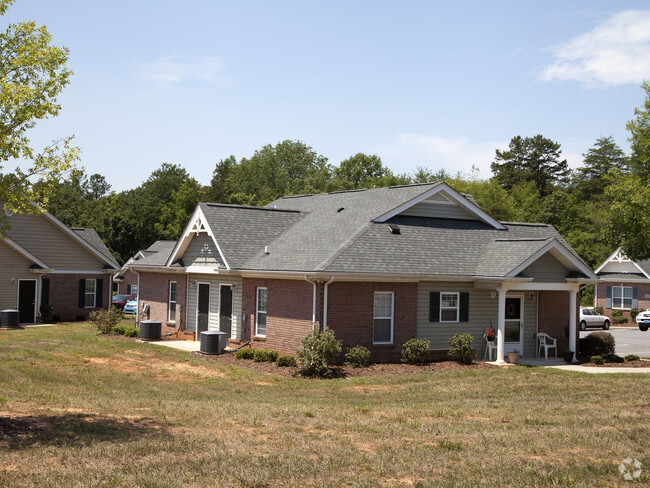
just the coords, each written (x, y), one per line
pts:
(620, 257)
(21, 250)
(559, 252)
(197, 224)
(450, 197)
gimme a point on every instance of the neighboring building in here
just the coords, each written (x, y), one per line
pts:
(624, 285)
(43, 262)
(377, 266)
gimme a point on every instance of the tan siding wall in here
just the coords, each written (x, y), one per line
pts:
(13, 265)
(547, 269)
(201, 252)
(50, 244)
(440, 211)
(213, 321)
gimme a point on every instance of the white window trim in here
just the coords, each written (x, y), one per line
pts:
(392, 316)
(133, 292)
(169, 302)
(258, 311)
(622, 297)
(94, 293)
(457, 307)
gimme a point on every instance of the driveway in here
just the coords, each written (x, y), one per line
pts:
(628, 340)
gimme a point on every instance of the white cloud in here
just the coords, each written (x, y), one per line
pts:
(616, 52)
(170, 70)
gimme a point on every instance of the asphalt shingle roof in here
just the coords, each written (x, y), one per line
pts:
(91, 237)
(157, 254)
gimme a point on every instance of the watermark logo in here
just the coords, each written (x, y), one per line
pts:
(630, 469)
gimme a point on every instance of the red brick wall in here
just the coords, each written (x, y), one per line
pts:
(553, 317)
(130, 279)
(154, 291)
(643, 289)
(64, 294)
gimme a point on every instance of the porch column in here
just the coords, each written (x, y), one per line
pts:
(501, 325)
(572, 324)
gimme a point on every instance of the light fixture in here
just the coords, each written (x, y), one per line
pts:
(493, 294)
(531, 294)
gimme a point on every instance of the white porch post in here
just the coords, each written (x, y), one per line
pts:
(501, 325)
(572, 323)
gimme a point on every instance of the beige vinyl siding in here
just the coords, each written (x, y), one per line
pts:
(202, 252)
(13, 265)
(482, 307)
(439, 210)
(51, 244)
(213, 320)
(547, 269)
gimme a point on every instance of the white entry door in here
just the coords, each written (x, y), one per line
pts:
(514, 330)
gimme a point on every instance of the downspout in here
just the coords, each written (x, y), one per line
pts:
(325, 301)
(137, 309)
(313, 312)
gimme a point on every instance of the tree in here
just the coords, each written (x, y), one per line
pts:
(175, 214)
(604, 156)
(639, 129)
(534, 159)
(33, 73)
(219, 191)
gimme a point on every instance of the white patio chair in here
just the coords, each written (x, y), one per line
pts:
(547, 342)
(489, 347)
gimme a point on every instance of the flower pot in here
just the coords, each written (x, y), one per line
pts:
(513, 357)
(568, 356)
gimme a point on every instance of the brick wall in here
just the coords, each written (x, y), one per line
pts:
(130, 279)
(154, 291)
(64, 294)
(643, 289)
(553, 317)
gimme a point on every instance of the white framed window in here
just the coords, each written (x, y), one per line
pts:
(134, 290)
(382, 332)
(90, 295)
(622, 296)
(260, 313)
(172, 301)
(449, 306)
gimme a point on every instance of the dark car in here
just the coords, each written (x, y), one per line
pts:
(120, 300)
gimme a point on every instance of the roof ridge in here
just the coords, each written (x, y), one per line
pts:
(250, 207)
(344, 247)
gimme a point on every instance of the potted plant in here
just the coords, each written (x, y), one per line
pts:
(513, 357)
(568, 356)
(490, 334)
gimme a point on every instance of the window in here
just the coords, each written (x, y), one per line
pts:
(622, 296)
(134, 290)
(383, 318)
(260, 315)
(448, 307)
(172, 301)
(89, 300)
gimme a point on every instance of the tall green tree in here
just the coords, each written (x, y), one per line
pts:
(33, 73)
(639, 129)
(219, 190)
(604, 156)
(535, 159)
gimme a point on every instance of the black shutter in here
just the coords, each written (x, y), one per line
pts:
(99, 292)
(45, 291)
(82, 293)
(434, 306)
(128, 289)
(463, 313)
(608, 299)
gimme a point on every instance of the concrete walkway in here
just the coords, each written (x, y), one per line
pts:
(189, 346)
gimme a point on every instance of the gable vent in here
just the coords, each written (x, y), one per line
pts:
(394, 229)
(341, 209)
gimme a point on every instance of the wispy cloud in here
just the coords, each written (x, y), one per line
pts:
(172, 70)
(616, 52)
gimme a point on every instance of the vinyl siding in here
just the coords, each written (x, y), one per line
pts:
(213, 320)
(202, 252)
(13, 265)
(438, 210)
(547, 269)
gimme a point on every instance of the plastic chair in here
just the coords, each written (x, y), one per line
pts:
(547, 342)
(489, 347)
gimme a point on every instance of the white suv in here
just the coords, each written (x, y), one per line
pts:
(590, 318)
(643, 320)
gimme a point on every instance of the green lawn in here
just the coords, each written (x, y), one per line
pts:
(78, 410)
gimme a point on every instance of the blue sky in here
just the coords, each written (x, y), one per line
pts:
(434, 84)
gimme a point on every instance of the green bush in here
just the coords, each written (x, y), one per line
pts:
(600, 310)
(264, 355)
(598, 344)
(286, 360)
(632, 357)
(614, 358)
(245, 354)
(46, 313)
(106, 320)
(318, 350)
(131, 332)
(633, 313)
(619, 320)
(358, 356)
(617, 313)
(119, 329)
(414, 351)
(461, 348)
(596, 360)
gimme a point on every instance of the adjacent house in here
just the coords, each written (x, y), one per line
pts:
(624, 285)
(377, 266)
(43, 262)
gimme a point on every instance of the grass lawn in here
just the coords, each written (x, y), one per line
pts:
(79, 410)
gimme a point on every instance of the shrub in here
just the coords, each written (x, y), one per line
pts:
(414, 351)
(617, 313)
(596, 360)
(286, 360)
(318, 350)
(119, 329)
(245, 354)
(131, 332)
(632, 357)
(633, 313)
(262, 355)
(81, 317)
(599, 309)
(598, 344)
(358, 356)
(614, 358)
(56, 318)
(106, 320)
(619, 320)
(46, 312)
(461, 348)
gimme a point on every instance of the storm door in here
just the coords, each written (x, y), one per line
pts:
(225, 310)
(514, 330)
(27, 301)
(202, 309)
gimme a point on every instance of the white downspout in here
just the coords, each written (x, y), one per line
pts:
(501, 325)
(325, 302)
(313, 308)
(137, 309)
(572, 323)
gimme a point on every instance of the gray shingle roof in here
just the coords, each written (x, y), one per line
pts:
(92, 238)
(622, 276)
(156, 255)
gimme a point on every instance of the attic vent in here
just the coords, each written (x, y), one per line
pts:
(341, 209)
(394, 229)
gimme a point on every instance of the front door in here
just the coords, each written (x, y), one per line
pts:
(514, 330)
(203, 309)
(225, 310)
(27, 301)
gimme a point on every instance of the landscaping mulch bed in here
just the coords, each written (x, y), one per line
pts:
(344, 371)
(626, 364)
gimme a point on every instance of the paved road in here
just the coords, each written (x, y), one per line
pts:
(628, 340)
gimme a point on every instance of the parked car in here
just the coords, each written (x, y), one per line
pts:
(131, 307)
(590, 318)
(643, 320)
(120, 300)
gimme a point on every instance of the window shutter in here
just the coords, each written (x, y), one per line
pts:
(99, 292)
(128, 289)
(434, 306)
(608, 300)
(45, 291)
(82, 293)
(463, 313)
(635, 297)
